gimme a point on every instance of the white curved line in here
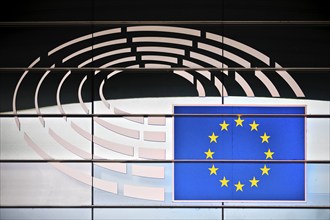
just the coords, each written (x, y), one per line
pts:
(67, 145)
(76, 174)
(137, 119)
(269, 85)
(205, 59)
(226, 54)
(153, 120)
(114, 62)
(117, 167)
(105, 185)
(152, 153)
(81, 131)
(77, 53)
(204, 73)
(163, 40)
(185, 75)
(16, 90)
(131, 133)
(240, 46)
(292, 83)
(186, 31)
(245, 86)
(160, 58)
(58, 100)
(143, 192)
(156, 65)
(86, 37)
(104, 101)
(36, 95)
(221, 88)
(90, 48)
(119, 148)
(161, 49)
(148, 171)
(107, 54)
(81, 101)
(158, 136)
(200, 88)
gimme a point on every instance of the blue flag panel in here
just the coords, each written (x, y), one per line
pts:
(235, 137)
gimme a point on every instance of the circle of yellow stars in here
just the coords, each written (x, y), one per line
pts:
(264, 139)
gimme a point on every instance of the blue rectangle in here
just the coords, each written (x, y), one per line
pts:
(240, 133)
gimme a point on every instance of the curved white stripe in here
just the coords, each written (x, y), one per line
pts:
(200, 88)
(152, 153)
(148, 171)
(156, 65)
(74, 149)
(96, 46)
(185, 75)
(117, 129)
(153, 120)
(86, 37)
(58, 100)
(36, 95)
(117, 167)
(245, 86)
(104, 101)
(161, 49)
(81, 101)
(103, 55)
(163, 40)
(205, 59)
(204, 73)
(292, 83)
(180, 30)
(76, 174)
(236, 59)
(16, 90)
(77, 53)
(158, 136)
(221, 88)
(107, 32)
(238, 45)
(270, 86)
(160, 58)
(137, 119)
(143, 192)
(114, 62)
(81, 131)
(105, 185)
(119, 148)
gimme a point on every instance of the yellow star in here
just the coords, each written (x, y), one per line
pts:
(254, 182)
(265, 138)
(209, 154)
(269, 154)
(239, 121)
(254, 126)
(224, 126)
(213, 170)
(224, 182)
(213, 138)
(264, 170)
(239, 186)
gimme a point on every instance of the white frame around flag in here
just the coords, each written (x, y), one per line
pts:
(242, 201)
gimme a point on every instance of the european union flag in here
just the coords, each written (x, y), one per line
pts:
(254, 135)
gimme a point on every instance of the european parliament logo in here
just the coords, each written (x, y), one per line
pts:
(242, 153)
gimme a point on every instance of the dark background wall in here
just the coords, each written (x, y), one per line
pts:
(297, 44)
